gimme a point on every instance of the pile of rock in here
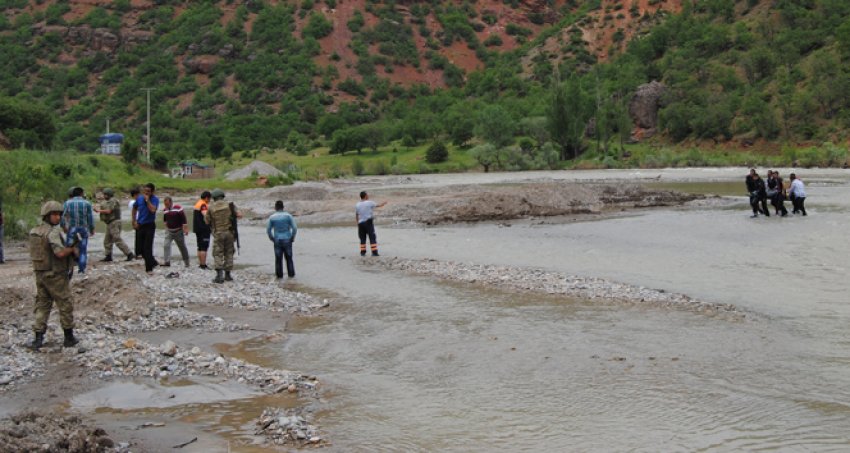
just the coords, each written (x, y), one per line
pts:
(110, 357)
(31, 431)
(286, 427)
(16, 363)
(540, 281)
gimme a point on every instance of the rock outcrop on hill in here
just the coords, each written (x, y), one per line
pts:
(644, 106)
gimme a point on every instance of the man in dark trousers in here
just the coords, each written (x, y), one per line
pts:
(281, 229)
(201, 229)
(758, 193)
(146, 206)
(365, 215)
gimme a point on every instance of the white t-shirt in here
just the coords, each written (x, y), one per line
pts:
(130, 208)
(797, 189)
(364, 210)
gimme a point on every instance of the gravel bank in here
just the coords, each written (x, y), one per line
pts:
(541, 281)
(114, 302)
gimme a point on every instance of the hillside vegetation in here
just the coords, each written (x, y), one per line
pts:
(529, 84)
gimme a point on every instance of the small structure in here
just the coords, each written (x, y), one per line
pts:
(191, 169)
(110, 143)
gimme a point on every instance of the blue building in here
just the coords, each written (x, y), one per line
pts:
(111, 143)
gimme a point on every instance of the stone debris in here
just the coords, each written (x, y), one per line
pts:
(48, 432)
(113, 302)
(541, 281)
(286, 427)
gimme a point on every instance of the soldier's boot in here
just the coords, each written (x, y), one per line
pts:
(107, 259)
(219, 277)
(227, 276)
(131, 256)
(37, 342)
(69, 338)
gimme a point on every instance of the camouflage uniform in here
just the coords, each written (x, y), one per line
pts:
(51, 276)
(218, 217)
(113, 227)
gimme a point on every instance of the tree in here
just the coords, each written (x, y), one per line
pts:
(27, 123)
(569, 112)
(437, 153)
(496, 126)
(485, 155)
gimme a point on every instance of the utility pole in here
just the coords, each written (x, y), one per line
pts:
(148, 134)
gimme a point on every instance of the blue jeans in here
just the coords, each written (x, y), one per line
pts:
(283, 249)
(82, 246)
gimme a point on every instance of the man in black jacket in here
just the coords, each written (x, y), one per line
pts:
(758, 193)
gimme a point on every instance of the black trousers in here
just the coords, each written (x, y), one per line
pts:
(138, 243)
(147, 232)
(754, 202)
(799, 205)
(778, 202)
(364, 229)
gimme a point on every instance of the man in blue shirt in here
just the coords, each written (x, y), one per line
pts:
(78, 218)
(281, 230)
(144, 221)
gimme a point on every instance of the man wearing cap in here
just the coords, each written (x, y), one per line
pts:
(79, 222)
(50, 263)
(110, 214)
(221, 217)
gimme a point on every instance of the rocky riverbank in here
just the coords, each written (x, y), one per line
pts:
(545, 282)
(117, 303)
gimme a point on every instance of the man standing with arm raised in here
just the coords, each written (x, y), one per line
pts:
(364, 213)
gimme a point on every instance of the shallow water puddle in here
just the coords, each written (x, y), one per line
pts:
(227, 409)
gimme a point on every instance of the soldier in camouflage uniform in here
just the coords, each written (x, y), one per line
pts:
(110, 214)
(51, 263)
(220, 216)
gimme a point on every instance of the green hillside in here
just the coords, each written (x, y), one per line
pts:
(301, 76)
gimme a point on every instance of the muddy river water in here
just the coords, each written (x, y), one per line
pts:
(410, 363)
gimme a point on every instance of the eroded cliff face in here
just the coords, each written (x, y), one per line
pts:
(497, 25)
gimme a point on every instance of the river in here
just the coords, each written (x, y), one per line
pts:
(414, 364)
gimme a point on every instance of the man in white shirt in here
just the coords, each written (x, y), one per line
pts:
(797, 193)
(364, 212)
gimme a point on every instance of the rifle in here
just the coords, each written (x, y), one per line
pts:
(233, 226)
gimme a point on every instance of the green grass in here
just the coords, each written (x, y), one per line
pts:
(319, 164)
(32, 177)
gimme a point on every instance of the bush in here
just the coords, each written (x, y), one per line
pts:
(437, 153)
(357, 167)
(379, 167)
(318, 26)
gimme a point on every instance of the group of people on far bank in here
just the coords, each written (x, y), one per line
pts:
(774, 189)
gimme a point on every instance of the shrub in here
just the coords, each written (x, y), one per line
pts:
(379, 167)
(318, 26)
(437, 153)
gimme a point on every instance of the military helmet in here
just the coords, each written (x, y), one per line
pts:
(108, 191)
(50, 206)
(217, 194)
